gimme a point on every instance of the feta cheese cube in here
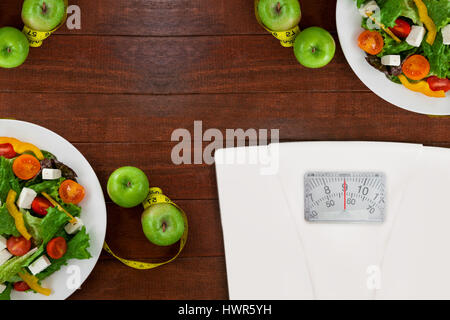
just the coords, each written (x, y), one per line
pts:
(369, 7)
(26, 198)
(51, 174)
(71, 228)
(2, 243)
(2, 288)
(446, 34)
(391, 60)
(4, 256)
(416, 35)
(39, 265)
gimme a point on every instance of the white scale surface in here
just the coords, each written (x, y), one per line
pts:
(273, 253)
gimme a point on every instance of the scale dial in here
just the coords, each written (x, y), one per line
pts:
(344, 196)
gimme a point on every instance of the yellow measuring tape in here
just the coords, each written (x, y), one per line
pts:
(36, 38)
(287, 38)
(155, 196)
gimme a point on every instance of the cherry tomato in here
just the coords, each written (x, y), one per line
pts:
(7, 151)
(371, 42)
(56, 248)
(26, 167)
(416, 67)
(401, 28)
(18, 246)
(40, 206)
(71, 192)
(21, 286)
(437, 84)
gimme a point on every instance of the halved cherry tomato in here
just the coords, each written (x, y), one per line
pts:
(371, 42)
(40, 206)
(7, 150)
(21, 286)
(437, 84)
(71, 192)
(416, 67)
(57, 247)
(401, 28)
(26, 167)
(18, 246)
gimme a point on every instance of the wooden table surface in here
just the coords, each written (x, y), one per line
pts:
(137, 70)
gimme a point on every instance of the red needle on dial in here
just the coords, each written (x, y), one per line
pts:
(345, 195)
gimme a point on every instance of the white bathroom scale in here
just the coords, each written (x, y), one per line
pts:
(336, 220)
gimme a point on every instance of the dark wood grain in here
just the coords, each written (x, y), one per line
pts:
(178, 181)
(81, 118)
(173, 18)
(186, 278)
(135, 65)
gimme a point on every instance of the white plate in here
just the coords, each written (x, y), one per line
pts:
(93, 213)
(348, 22)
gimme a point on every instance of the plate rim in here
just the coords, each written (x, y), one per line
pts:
(94, 259)
(369, 83)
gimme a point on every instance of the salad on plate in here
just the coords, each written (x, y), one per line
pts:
(409, 41)
(40, 225)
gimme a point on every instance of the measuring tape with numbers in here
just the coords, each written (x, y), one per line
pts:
(287, 38)
(155, 196)
(36, 38)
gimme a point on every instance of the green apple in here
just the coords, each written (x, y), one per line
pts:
(14, 47)
(43, 15)
(128, 187)
(314, 47)
(163, 224)
(279, 15)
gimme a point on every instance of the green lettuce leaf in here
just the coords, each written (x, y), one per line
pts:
(11, 267)
(48, 186)
(359, 3)
(51, 224)
(392, 9)
(6, 295)
(71, 208)
(43, 230)
(8, 180)
(439, 57)
(15, 278)
(393, 47)
(33, 225)
(77, 248)
(7, 223)
(439, 12)
(48, 155)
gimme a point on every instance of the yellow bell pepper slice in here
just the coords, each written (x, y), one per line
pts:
(21, 147)
(16, 214)
(33, 283)
(56, 204)
(422, 87)
(427, 21)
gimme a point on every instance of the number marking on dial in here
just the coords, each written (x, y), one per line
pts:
(344, 196)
